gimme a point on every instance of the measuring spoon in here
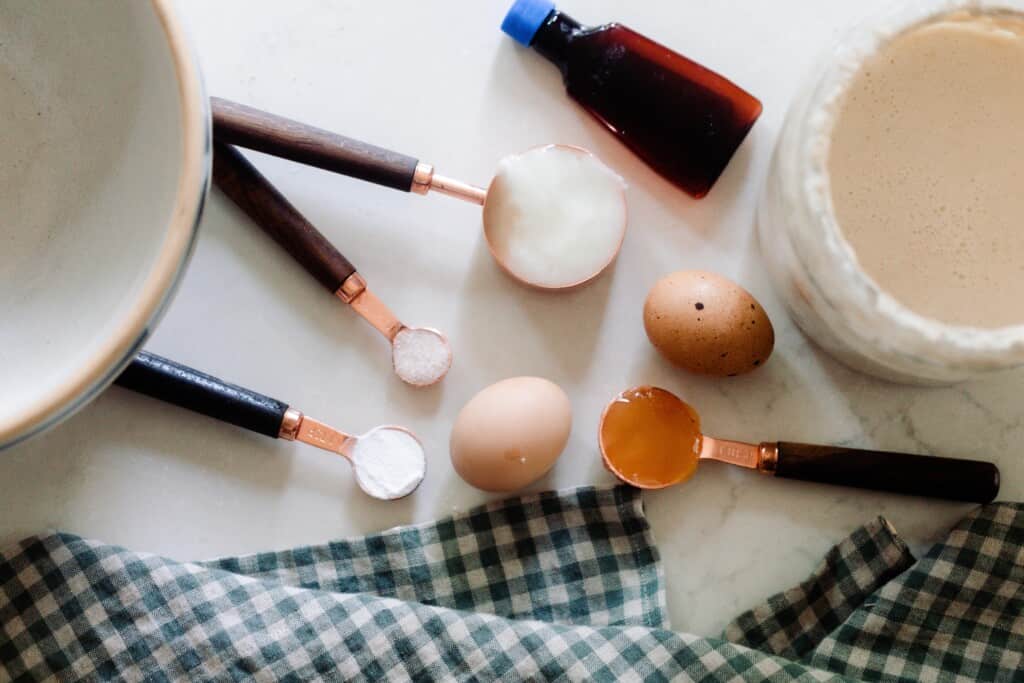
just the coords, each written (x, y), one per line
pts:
(389, 461)
(420, 356)
(507, 220)
(651, 439)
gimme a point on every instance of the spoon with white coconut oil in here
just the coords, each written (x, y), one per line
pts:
(420, 356)
(554, 216)
(389, 461)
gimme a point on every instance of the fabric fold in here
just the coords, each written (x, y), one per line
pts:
(136, 617)
(792, 623)
(553, 586)
(583, 556)
(958, 613)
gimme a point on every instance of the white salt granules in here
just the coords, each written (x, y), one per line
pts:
(421, 356)
(389, 463)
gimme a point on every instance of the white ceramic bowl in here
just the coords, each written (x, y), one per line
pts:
(104, 160)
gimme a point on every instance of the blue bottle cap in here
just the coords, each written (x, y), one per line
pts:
(525, 17)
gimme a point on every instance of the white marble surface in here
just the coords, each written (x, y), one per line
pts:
(438, 80)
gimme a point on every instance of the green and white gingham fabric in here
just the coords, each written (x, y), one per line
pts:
(556, 586)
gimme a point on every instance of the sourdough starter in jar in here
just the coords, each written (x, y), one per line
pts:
(892, 219)
(927, 169)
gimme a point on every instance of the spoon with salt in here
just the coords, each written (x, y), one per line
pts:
(420, 356)
(389, 462)
(554, 216)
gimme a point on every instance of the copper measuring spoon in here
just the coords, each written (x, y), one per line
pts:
(651, 439)
(420, 356)
(245, 126)
(180, 385)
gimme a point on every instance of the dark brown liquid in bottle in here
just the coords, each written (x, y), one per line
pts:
(682, 119)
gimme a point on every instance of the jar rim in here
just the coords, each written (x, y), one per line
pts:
(907, 332)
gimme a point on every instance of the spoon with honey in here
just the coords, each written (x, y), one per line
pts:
(651, 439)
(554, 216)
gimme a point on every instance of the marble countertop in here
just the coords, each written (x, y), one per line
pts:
(440, 81)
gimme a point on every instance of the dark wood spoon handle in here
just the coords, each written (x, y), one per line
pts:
(171, 382)
(268, 208)
(238, 124)
(918, 475)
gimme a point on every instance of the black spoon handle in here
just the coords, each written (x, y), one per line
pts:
(918, 475)
(238, 124)
(185, 387)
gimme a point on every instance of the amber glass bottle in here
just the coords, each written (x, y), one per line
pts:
(683, 120)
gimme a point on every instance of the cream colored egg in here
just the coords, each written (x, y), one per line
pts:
(708, 324)
(510, 434)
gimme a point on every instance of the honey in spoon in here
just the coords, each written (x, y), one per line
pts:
(650, 438)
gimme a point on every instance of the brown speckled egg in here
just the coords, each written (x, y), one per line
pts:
(705, 323)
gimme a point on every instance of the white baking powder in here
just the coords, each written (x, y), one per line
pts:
(389, 463)
(421, 356)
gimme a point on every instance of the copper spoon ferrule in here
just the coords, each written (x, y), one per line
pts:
(290, 424)
(424, 180)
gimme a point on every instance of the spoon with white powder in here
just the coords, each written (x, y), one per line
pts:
(389, 462)
(554, 216)
(421, 356)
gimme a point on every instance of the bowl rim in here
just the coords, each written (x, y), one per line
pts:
(106, 363)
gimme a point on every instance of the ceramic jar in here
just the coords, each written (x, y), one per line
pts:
(814, 268)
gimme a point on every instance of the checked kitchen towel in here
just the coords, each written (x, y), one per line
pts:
(556, 586)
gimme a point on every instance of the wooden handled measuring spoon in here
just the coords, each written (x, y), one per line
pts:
(420, 356)
(389, 461)
(244, 126)
(651, 439)
(559, 234)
